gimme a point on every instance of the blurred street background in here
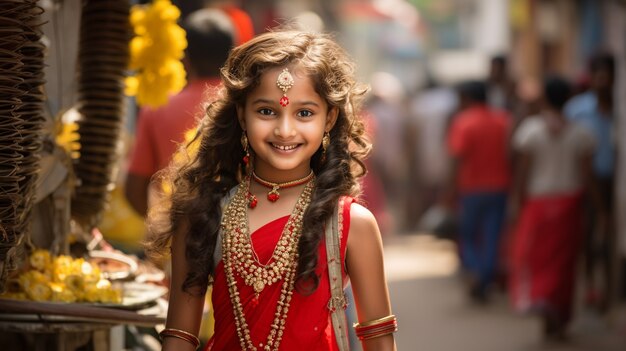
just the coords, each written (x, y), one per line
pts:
(457, 222)
(435, 314)
(498, 174)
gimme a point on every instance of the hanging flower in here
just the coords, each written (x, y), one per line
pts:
(155, 53)
(68, 138)
(40, 260)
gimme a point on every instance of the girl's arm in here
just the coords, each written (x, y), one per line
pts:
(364, 261)
(185, 309)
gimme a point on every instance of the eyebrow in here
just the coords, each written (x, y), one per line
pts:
(262, 101)
(268, 101)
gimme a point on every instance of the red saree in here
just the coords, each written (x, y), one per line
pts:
(545, 247)
(308, 325)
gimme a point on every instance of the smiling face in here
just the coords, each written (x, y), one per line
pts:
(284, 138)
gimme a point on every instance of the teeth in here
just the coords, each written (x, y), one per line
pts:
(285, 147)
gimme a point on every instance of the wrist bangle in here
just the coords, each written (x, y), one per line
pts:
(180, 334)
(376, 328)
(375, 321)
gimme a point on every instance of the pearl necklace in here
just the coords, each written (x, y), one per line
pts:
(240, 258)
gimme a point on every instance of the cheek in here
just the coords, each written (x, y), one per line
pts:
(316, 134)
(260, 131)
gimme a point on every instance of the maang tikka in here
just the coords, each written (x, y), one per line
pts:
(284, 83)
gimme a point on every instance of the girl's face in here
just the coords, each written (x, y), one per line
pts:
(285, 138)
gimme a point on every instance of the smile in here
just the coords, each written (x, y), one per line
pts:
(285, 147)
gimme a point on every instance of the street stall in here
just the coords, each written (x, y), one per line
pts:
(61, 286)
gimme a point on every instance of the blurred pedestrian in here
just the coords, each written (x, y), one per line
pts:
(159, 131)
(554, 158)
(430, 112)
(387, 114)
(480, 174)
(500, 86)
(594, 110)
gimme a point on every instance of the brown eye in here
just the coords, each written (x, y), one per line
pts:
(266, 112)
(305, 113)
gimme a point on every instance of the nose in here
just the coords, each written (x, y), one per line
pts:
(285, 128)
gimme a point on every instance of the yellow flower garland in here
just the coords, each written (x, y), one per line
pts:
(155, 53)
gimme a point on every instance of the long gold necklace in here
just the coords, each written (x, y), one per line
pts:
(240, 257)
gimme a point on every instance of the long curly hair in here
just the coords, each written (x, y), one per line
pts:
(198, 183)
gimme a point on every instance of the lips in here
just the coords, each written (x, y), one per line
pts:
(285, 147)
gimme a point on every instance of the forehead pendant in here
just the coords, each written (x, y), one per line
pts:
(284, 82)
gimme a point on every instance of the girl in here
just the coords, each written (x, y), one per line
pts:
(278, 154)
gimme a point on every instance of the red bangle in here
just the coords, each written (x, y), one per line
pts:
(376, 328)
(180, 334)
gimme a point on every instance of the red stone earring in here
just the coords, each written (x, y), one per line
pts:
(244, 144)
(252, 200)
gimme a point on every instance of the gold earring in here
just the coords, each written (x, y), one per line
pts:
(325, 143)
(244, 144)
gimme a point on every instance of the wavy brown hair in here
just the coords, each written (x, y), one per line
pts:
(201, 180)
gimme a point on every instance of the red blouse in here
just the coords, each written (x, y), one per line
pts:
(308, 325)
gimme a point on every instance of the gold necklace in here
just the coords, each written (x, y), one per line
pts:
(256, 274)
(239, 257)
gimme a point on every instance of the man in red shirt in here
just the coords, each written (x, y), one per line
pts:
(480, 175)
(160, 131)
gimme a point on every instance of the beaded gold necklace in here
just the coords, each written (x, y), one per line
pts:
(239, 257)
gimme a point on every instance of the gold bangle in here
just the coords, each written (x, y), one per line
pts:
(375, 321)
(180, 334)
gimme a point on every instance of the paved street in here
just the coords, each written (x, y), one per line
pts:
(435, 315)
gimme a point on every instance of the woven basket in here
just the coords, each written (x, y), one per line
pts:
(103, 58)
(21, 121)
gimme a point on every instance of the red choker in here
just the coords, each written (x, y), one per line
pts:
(273, 194)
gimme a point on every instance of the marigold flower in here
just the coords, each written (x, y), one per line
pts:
(61, 268)
(30, 278)
(74, 282)
(39, 291)
(40, 260)
(14, 296)
(68, 139)
(61, 279)
(60, 293)
(155, 53)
